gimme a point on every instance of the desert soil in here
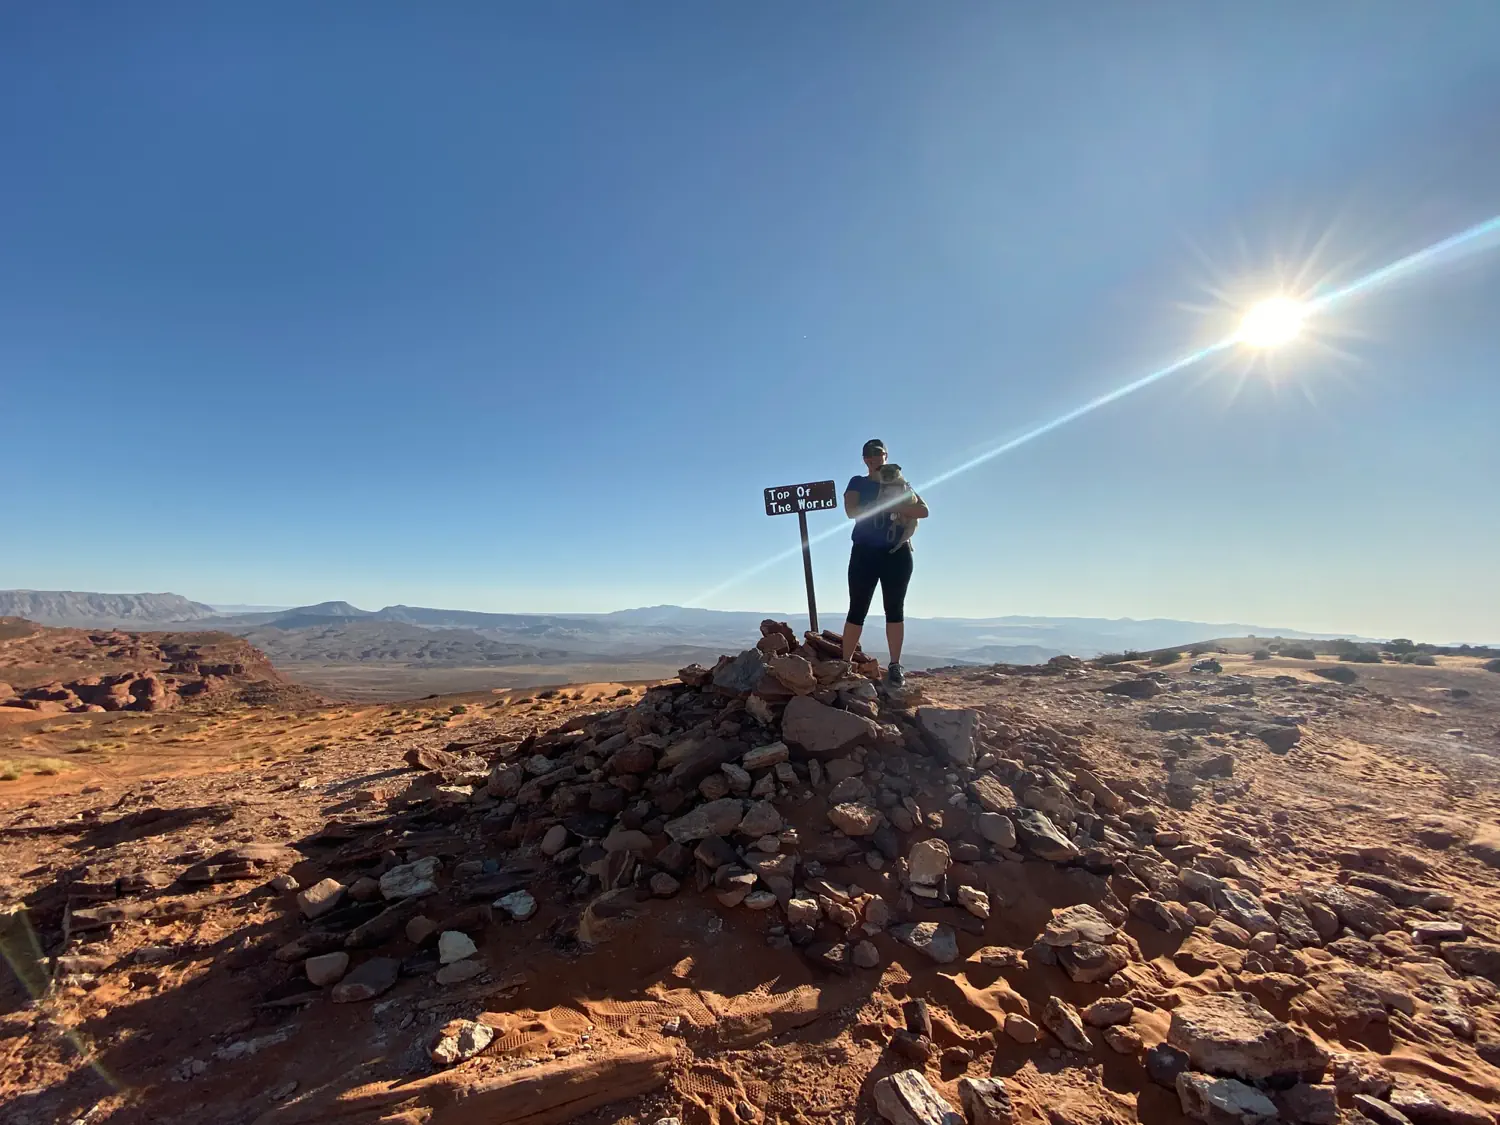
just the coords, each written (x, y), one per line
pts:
(153, 864)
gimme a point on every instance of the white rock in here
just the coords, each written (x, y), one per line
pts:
(975, 901)
(320, 898)
(460, 1040)
(803, 912)
(928, 862)
(520, 905)
(1070, 925)
(411, 880)
(455, 945)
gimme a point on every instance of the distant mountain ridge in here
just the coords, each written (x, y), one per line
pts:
(82, 609)
(339, 632)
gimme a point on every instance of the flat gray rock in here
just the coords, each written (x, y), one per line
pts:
(1042, 838)
(907, 1098)
(715, 818)
(1229, 1033)
(823, 730)
(366, 981)
(1223, 1101)
(937, 940)
(952, 731)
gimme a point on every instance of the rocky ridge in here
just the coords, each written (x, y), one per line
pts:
(782, 782)
(130, 671)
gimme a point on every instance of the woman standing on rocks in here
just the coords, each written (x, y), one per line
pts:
(881, 555)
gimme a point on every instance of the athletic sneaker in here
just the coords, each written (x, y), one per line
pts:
(895, 675)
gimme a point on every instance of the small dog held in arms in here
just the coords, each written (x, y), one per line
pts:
(895, 492)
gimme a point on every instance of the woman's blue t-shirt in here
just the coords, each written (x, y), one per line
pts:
(870, 531)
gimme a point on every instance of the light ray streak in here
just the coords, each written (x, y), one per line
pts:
(1428, 256)
(1470, 240)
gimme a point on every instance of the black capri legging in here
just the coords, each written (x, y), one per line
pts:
(891, 569)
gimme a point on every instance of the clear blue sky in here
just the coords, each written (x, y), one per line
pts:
(519, 306)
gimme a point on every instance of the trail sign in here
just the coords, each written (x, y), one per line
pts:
(817, 496)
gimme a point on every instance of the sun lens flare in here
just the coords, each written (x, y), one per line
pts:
(1272, 323)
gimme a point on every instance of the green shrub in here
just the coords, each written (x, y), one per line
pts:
(1298, 652)
(1493, 666)
(1337, 673)
(1360, 656)
(623, 692)
(1425, 659)
(1400, 644)
(458, 709)
(1160, 658)
(1261, 654)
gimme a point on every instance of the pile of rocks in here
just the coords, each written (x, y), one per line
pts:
(752, 782)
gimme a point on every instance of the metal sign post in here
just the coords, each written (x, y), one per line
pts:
(818, 496)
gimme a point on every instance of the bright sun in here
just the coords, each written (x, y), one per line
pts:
(1272, 323)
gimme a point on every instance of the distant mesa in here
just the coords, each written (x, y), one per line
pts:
(72, 607)
(329, 609)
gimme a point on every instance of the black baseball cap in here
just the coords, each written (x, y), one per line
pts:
(873, 446)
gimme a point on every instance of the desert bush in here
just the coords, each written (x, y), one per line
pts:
(622, 693)
(1168, 657)
(1493, 666)
(1425, 659)
(1261, 654)
(1337, 673)
(1298, 652)
(458, 709)
(1400, 644)
(550, 693)
(1360, 656)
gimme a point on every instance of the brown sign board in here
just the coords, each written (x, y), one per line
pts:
(819, 496)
